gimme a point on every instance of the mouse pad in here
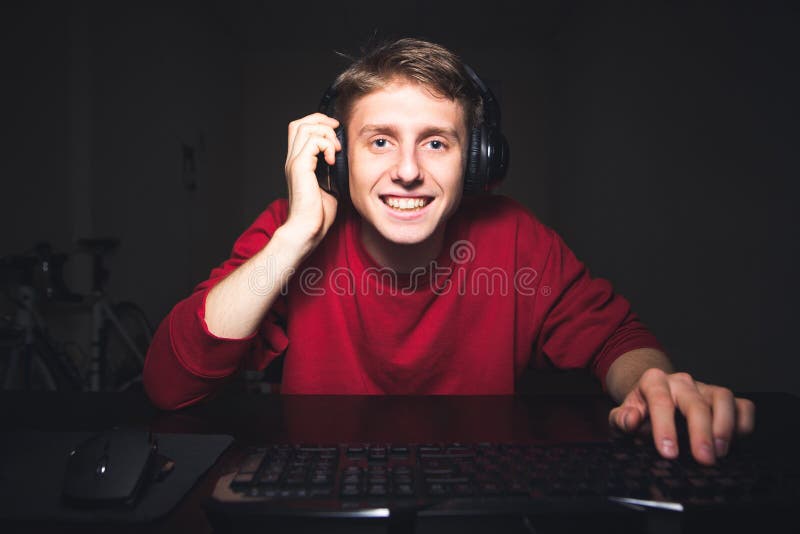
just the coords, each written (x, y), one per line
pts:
(33, 465)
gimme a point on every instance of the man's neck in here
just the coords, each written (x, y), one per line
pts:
(399, 257)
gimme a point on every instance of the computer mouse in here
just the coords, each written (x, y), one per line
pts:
(110, 467)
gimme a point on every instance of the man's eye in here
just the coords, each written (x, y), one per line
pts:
(380, 143)
(436, 144)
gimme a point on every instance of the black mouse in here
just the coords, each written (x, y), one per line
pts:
(111, 467)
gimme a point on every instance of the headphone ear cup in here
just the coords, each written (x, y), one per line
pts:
(337, 182)
(497, 159)
(341, 170)
(334, 178)
(473, 179)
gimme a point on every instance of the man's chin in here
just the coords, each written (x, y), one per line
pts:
(406, 235)
(403, 239)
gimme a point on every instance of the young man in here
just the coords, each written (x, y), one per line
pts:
(405, 285)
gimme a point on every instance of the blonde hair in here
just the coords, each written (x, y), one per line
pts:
(429, 64)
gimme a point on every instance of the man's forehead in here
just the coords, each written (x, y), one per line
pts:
(404, 105)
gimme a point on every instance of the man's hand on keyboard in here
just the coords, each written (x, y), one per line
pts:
(713, 415)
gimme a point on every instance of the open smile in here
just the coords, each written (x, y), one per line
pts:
(406, 203)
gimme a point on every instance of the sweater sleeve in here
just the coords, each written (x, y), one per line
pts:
(586, 324)
(185, 362)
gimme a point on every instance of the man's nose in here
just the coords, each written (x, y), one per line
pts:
(407, 170)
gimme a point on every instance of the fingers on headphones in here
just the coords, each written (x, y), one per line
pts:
(306, 135)
(316, 144)
(315, 119)
(305, 155)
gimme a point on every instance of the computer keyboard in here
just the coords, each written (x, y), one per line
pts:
(373, 480)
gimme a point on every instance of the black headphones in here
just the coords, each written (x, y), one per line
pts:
(487, 156)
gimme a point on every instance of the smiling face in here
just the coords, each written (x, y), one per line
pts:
(406, 151)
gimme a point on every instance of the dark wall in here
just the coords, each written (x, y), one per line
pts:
(655, 137)
(103, 104)
(674, 136)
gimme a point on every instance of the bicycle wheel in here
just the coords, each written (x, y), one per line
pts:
(125, 342)
(27, 369)
(59, 363)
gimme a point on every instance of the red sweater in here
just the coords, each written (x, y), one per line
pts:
(504, 293)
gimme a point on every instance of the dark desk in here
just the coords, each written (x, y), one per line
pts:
(277, 418)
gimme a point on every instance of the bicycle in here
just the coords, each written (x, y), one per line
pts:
(35, 359)
(120, 331)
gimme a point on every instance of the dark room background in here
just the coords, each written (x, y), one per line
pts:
(658, 138)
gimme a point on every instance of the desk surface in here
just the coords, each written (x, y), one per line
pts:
(280, 418)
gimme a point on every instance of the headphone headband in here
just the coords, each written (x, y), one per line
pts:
(491, 110)
(327, 99)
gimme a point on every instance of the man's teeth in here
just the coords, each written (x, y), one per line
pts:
(405, 203)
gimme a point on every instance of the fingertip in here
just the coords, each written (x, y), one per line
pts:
(668, 448)
(330, 157)
(631, 420)
(721, 447)
(620, 419)
(705, 454)
(745, 416)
